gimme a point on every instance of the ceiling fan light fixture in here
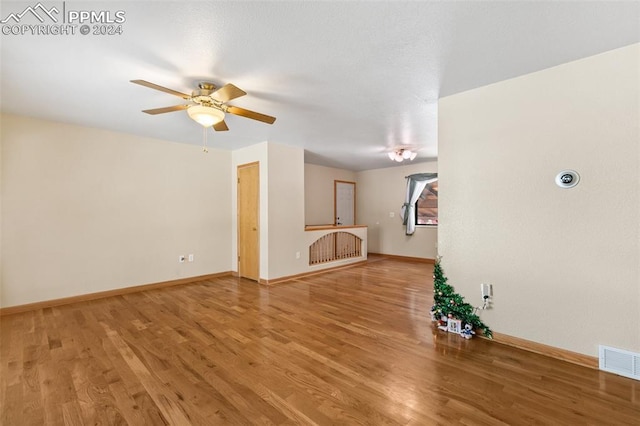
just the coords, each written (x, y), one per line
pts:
(204, 115)
(402, 154)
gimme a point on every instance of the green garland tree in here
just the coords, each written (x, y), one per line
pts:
(450, 304)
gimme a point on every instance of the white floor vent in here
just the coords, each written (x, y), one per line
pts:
(619, 361)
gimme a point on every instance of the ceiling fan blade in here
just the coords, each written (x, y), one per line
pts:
(220, 127)
(250, 114)
(228, 92)
(165, 109)
(160, 88)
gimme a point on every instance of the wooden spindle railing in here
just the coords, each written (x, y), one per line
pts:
(335, 246)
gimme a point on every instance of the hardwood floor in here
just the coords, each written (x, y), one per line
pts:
(353, 346)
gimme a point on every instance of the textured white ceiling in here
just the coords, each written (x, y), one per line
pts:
(347, 81)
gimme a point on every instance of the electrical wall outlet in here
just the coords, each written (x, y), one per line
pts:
(487, 290)
(190, 258)
(181, 258)
(297, 255)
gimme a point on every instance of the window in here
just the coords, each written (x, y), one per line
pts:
(427, 205)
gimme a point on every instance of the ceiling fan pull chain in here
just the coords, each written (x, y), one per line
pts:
(204, 140)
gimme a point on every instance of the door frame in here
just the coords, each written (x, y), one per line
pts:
(335, 200)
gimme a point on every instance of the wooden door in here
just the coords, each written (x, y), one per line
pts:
(344, 194)
(248, 221)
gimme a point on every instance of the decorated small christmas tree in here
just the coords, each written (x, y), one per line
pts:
(448, 303)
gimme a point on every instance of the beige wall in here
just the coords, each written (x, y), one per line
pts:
(564, 263)
(2, 184)
(86, 210)
(286, 211)
(281, 208)
(381, 192)
(319, 193)
(254, 153)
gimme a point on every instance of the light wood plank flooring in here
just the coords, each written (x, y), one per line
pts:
(353, 346)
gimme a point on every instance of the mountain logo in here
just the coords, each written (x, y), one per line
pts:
(39, 11)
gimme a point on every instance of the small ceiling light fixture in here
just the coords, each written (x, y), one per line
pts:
(567, 179)
(205, 115)
(402, 154)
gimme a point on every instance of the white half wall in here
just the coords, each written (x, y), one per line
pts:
(564, 263)
(87, 210)
(381, 192)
